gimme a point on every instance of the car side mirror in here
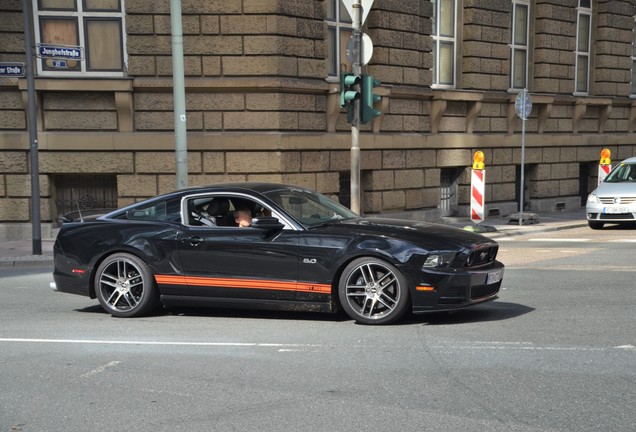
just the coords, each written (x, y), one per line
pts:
(267, 223)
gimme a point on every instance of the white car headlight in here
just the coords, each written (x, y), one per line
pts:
(592, 198)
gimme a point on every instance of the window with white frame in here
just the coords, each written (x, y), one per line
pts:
(340, 28)
(519, 45)
(634, 58)
(94, 28)
(583, 43)
(444, 42)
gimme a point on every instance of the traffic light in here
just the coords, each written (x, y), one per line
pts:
(348, 93)
(368, 99)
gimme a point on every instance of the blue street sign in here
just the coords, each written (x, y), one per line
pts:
(12, 70)
(59, 52)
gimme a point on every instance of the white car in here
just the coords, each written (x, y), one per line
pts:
(614, 201)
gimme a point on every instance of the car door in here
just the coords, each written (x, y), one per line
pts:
(240, 263)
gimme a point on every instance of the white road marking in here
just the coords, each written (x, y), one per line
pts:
(282, 347)
(563, 240)
(556, 240)
(100, 369)
(164, 343)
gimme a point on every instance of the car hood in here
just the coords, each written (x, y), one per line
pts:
(616, 189)
(426, 234)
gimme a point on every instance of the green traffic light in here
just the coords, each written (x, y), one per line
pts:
(368, 99)
(348, 93)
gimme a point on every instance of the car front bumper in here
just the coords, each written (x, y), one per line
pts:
(598, 212)
(456, 289)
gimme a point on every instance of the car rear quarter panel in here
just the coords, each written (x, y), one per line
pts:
(83, 246)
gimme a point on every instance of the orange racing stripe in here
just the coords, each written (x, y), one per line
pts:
(243, 283)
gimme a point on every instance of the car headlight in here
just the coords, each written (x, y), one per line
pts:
(441, 259)
(592, 198)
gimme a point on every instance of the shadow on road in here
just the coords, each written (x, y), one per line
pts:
(496, 311)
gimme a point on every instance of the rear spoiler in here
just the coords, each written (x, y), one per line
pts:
(84, 215)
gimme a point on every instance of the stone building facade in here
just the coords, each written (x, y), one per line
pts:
(262, 104)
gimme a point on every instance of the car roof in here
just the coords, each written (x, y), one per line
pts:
(259, 187)
(631, 160)
(237, 187)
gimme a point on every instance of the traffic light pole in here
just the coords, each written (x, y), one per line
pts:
(356, 68)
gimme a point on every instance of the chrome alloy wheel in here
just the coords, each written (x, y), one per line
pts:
(124, 286)
(373, 292)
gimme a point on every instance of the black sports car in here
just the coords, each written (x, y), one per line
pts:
(271, 246)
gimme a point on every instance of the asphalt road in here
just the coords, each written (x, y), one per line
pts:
(554, 353)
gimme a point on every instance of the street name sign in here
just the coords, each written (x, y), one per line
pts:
(67, 52)
(12, 70)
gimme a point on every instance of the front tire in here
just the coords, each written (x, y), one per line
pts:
(125, 287)
(372, 291)
(595, 225)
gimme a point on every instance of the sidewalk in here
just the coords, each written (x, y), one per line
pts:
(497, 227)
(20, 253)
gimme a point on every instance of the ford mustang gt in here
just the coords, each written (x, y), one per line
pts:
(271, 246)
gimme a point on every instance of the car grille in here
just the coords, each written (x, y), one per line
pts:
(621, 216)
(482, 256)
(483, 291)
(610, 200)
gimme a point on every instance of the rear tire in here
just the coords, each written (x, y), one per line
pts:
(125, 286)
(595, 225)
(372, 291)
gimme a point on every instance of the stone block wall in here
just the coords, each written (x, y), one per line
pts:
(486, 34)
(614, 27)
(554, 44)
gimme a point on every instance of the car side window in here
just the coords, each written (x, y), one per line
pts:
(225, 211)
(156, 211)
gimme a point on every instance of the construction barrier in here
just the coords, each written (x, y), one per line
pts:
(605, 165)
(477, 187)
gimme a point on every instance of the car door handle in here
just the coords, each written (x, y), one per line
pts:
(194, 240)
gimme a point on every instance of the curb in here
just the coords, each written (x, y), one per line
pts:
(27, 261)
(538, 230)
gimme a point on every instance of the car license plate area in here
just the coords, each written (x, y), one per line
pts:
(494, 277)
(615, 210)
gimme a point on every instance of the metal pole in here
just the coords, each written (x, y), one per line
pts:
(33, 132)
(523, 154)
(356, 69)
(178, 82)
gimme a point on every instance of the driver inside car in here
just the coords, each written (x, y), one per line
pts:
(243, 217)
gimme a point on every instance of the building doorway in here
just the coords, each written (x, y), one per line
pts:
(449, 179)
(588, 179)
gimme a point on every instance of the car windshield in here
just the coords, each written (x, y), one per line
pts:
(310, 208)
(622, 173)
